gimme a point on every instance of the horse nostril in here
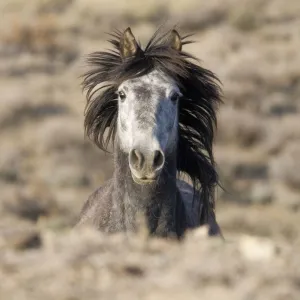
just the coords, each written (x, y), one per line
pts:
(146, 163)
(136, 159)
(158, 160)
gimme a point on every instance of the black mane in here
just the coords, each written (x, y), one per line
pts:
(197, 108)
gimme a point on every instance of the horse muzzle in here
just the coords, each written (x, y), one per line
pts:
(145, 166)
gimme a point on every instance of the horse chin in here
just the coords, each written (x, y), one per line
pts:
(143, 181)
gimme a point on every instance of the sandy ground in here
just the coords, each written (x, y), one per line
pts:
(48, 168)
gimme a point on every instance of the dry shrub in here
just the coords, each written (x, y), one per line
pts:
(11, 164)
(37, 33)
(246, 183)
(131, 267)
(110, 14)
(244, 78)
(250, 15)
(247, 16)
(264, 77)
(241, 171)
(261, 192)
(278, 105)
(190, 14)
(54, 6)
(21, 238)
(65, 169)
(60, 133)
(64, 152)
(27, 64)
(240, 127)
(261, 220)
(285, 166)
(251, 171)
(280, 132)
(276, 11)
(33, 202)
(61, 143)
(38, 36)
(19, 110)
(257, 191)
(285, 196)
(193, 14)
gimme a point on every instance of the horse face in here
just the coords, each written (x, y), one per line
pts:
(148, 123)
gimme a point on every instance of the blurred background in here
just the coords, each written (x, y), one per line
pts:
(48, 168)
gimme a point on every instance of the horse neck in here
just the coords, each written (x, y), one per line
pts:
(156, 201)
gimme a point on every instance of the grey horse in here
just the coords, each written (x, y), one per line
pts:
(158, 108)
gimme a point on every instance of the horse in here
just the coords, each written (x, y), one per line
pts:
(157, 107)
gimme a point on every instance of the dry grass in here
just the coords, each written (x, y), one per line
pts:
(16, 114)
(240, 127)
(32, 203)
(85, 264)
(286, 166)
(281, 133)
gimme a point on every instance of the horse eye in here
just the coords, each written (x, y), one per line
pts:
(122, 96)
(174, 97)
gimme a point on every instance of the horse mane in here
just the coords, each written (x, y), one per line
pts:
(197, 107)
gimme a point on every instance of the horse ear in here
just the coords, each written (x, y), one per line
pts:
(175, 40)
(128, 44)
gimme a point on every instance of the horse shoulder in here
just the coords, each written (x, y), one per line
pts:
(193, 208)
(96, 209)
(192, 205)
